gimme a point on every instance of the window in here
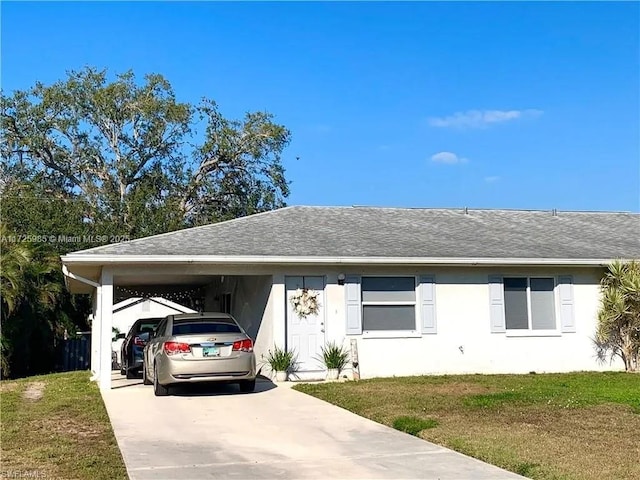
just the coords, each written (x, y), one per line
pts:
(529, 303)
(388, 303)
(204, 328)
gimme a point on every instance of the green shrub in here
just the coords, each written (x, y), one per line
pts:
(281, 360)
(413, 425)
(334, 356)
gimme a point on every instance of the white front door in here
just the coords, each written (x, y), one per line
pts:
(305, 336)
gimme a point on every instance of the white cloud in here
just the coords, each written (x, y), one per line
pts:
(481, 118)
(491, 179)
(448, 158)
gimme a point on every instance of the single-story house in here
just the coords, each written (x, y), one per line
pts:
(408, 291)
(126, 312)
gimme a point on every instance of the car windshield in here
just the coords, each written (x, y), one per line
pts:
(195, 327)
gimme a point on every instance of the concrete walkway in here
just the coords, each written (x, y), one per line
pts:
(271, 434)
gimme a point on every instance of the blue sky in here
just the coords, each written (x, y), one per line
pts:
(485, 105)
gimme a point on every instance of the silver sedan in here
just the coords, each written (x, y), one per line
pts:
(199, 347)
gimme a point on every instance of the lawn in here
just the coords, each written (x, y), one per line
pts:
(56, 426)
(543, 426)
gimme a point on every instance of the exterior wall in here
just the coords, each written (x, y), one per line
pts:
(252, 306)
(463, 342)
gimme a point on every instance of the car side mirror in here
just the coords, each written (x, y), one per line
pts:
(120, 335)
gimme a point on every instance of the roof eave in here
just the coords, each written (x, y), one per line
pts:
(88, 259)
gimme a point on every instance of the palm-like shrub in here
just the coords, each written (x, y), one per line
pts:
(618, 332)
(334, 356)
(281, 360)
(29, 294)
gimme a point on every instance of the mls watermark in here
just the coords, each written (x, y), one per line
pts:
(23, 474)
(30, 238)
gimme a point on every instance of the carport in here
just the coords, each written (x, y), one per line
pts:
(244, 290)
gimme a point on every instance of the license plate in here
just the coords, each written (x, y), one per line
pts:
(210, 352)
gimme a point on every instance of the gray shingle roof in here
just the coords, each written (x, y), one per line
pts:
(401, 232)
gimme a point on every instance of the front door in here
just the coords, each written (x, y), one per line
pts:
(305, 335)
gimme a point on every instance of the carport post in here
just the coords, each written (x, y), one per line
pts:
(106, 314)
(95, 333)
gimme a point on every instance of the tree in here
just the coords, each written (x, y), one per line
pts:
(239, 170)
(31, 291)
(131, 149)
(92, 157)
(47, 215)
(618, 332)
(14, 261)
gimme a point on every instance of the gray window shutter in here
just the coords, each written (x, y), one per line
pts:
(567, 315)
(496, 304)
(353, 304)
(428, 304)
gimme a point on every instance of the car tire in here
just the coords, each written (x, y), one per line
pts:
(158, 390)
(145, 379)
(247, 386)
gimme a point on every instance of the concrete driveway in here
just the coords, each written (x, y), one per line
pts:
(273, 433)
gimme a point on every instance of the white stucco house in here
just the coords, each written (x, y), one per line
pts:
(126, 312)
(413, 291)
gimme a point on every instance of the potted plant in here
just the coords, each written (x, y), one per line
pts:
(335, 358)
(281, 362)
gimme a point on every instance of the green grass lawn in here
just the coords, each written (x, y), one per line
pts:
(543, 426)
(56, 426)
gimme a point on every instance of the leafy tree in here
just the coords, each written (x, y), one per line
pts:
(239, 170)
(14, 260)
(618, 332)
(47, 215)
(134, 153)
(35, 308)
(91, 156)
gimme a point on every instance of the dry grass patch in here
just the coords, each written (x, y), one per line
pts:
(34, 391)
(7, 386)
(71, 427)
(552, 427)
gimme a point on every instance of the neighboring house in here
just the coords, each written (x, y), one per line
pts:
(418, 291)
(125, 314)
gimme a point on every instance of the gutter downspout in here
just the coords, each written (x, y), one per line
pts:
(86, 281)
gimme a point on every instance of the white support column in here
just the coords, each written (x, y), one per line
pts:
(279, 311)
(95, 334)
(106, 322)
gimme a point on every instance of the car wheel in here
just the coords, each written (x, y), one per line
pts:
(247, 386)
(158, 390)
(145, 379)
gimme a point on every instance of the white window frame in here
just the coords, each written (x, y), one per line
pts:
(529, 331)
(415, 333)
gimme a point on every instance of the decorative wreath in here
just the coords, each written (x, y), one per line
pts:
(305, 302)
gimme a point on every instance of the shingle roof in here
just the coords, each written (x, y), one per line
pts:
(401, 232)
